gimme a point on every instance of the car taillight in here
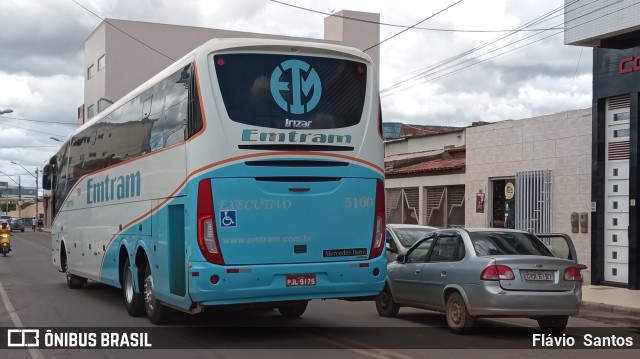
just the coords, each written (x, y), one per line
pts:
(207, 233)
(497, 272)
(377, 243)
(572, 274)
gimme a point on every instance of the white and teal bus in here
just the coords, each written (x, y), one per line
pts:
(248, 172)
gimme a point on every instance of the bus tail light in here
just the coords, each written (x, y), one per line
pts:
(207, 232)
(377, 243)
(380, 118)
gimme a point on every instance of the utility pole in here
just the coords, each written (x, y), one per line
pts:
(19, 197)
(37, 213)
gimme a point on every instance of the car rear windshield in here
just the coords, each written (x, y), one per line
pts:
(284, 91)
(409, 236)
(508, 243)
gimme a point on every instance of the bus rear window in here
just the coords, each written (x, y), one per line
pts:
(283, 91)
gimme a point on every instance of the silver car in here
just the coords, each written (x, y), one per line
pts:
(400, 237)
(475, 273)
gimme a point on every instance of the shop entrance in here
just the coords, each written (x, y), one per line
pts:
(503, 203)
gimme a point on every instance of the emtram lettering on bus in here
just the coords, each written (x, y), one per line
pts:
(293, 137)
(116, 188)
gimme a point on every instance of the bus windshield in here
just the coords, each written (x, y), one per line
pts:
(284, 91)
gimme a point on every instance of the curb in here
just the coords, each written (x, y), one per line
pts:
(610, 308)
(610, 314)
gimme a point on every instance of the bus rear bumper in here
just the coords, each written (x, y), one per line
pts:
(267, 283)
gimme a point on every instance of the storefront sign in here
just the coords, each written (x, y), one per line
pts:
(509, 190)
(629, 64)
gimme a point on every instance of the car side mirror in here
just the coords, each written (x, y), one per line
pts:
(391, 248)
(401, 258)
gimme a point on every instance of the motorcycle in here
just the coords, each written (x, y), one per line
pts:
(5, 244)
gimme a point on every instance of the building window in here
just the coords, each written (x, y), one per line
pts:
(615, 172)
(614, 271)
(615, 205)
(621, 133)
(614, 255)
(101, 63)
(91, 71)
(623, 116)
(615, 221)
(90, 111)
(614, 238)
(615, 188)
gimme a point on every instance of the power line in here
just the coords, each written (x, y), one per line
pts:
(124, 32)
(428, 70)
(431, 72)
(52, 122)
(418, 23)
(28, 129)
(476, 63)
(396, 25)
(575, 73)
(449, 62)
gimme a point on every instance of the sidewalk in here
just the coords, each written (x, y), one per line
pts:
(611, 305)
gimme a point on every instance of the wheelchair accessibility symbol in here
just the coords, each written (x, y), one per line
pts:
(227, 219)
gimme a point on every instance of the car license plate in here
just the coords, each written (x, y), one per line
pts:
(300, 280)
(538, 275)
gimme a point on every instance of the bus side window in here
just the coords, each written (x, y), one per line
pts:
(195, 109)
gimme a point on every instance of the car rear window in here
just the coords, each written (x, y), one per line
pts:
(284, 91)
(507, 243)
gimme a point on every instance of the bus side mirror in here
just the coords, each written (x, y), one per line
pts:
(47, 173)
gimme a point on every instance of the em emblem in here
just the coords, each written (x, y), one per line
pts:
(304, 78)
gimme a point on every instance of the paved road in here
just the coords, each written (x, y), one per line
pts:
(33, 294)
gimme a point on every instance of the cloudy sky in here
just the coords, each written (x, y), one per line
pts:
(497, 75)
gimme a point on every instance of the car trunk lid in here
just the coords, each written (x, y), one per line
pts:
(535, 273)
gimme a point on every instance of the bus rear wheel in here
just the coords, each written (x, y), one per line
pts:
(73, 281)
(157, 313)
(293, 310)
(134, 301)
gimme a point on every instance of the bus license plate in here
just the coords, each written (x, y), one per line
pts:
(538, 275)
(301, 280)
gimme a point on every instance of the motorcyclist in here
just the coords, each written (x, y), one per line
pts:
(5, 230)
(40, 224)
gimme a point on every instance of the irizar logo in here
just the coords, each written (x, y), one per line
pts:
(304, 81)
(297, 124)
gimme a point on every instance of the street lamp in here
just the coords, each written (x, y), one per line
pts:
(37, 187)
(2, 112)
(19, 192)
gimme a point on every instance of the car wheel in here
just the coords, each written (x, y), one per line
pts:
(553, 324)
(385, 305)
(458, 318)
(134, 301)
(293, 310)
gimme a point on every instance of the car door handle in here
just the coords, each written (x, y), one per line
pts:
(417, 271)
(443, 273)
